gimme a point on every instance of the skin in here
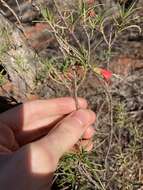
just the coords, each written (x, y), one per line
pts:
(35, 135)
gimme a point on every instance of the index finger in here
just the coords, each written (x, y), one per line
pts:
(57, 106)
(39, 110)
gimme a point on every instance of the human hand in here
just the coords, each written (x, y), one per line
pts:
(35, 135)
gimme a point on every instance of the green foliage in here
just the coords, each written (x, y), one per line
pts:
(19, 60)
(77, 170)
(2, 78)
(5, 42)
(126, 18)
(47, 14)
(21, 63)
(120, 117)
(3, 50)
(65, 24)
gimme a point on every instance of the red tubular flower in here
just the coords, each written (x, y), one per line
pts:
(106, 74)
(90, 1)
(91, 13)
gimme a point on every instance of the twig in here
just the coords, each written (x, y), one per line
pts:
(72, 33)
(15, 15)
(18, 6)
(11, 10)
(75, 90)
(84, 171)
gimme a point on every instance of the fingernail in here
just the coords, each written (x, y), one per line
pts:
(85, 117)
(89, 133)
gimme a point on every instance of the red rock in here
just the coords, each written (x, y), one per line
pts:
(122, 66)
(125, 65)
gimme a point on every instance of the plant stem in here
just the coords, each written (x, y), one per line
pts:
(75, 90)
(68, 28)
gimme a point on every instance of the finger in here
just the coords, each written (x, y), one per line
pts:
(7, 139)
(60, 106)
(34, 111)
(67, 133)
(89, 133)
(29, 134)
(36, 130)
(39, 129)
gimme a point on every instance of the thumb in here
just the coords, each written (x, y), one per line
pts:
(69, 131)
(65, 135)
